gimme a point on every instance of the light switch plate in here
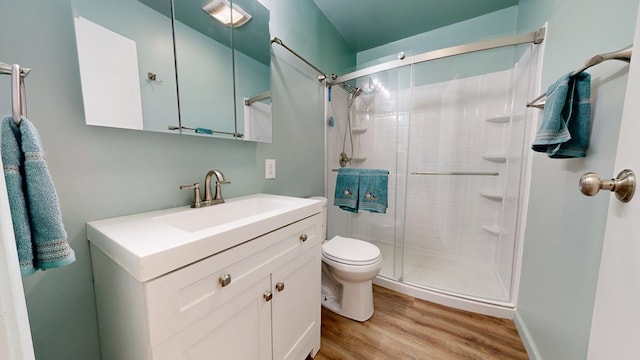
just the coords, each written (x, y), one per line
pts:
(269, 168)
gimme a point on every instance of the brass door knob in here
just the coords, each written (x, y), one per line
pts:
(624, 185)
(303, 237)
(267, 295)
(280, 286)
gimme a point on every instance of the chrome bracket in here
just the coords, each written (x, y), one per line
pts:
(539, 35)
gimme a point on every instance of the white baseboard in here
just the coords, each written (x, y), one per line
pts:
(526, 337)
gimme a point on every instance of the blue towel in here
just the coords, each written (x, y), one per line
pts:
(346, 195)
(37, 220)
(373, 190)
(566, 121)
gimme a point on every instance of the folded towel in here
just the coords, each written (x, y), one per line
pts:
(346, 194)
(48, 240)
(373, 190)
(566, 121)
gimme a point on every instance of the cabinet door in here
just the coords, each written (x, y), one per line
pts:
(296, 307)
(239, 329)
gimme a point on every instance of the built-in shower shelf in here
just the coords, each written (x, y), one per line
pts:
(358, 131)
(492, 229)
(499, 119)
(496, 196)
(359, 159)
(499, 158)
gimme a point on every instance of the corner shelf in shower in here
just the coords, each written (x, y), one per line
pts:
(499, 158)
(492, 229)
(491, 195)
(499, 119)
(357, 131)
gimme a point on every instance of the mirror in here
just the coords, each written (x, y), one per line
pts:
(252, 59)
(133, 77)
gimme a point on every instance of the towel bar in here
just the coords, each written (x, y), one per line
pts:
(471, 173)
(622, 55)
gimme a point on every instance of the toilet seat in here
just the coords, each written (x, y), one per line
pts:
(350, 251)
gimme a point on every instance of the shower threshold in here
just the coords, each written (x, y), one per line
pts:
(448, 280)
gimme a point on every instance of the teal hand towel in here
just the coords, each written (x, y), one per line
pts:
(49, 243)
(346, 194)
(374, 186)
(13, 160)
(566, 121)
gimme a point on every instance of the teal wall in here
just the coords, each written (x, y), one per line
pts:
(495, 24)
(104, 172)
(565, 229)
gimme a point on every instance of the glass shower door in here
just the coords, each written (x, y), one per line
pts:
(379, 117)
(458, 161)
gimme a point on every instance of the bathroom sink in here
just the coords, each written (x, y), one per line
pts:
(151, 244)
(243, 210)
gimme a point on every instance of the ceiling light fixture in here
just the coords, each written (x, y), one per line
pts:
(224, 12)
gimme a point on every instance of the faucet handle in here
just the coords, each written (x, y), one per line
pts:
(223, 182)
(197, 202)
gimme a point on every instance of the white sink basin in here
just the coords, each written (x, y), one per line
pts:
(230, 212)
(151, 244)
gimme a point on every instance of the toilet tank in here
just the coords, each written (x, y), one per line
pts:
(323, 231)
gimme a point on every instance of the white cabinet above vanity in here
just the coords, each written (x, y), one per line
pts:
(240, 280)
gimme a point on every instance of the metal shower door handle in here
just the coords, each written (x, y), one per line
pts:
(624, 185)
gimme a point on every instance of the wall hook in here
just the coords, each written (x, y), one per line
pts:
(153, 77)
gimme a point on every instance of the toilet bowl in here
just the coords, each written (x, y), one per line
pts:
(348, 268)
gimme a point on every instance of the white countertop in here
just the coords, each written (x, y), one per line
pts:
(148, 245)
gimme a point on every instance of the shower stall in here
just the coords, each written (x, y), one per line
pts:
(453, 132)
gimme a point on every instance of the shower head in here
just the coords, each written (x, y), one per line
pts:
(357, 91)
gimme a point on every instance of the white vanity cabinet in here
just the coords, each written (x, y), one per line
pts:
(256, 300)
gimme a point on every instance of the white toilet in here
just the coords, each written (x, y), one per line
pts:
(348, 266)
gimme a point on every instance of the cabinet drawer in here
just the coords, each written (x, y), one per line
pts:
(184, 296)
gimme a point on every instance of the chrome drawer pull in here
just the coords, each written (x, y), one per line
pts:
(225, 280)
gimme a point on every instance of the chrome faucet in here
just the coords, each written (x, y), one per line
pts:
(208, 198)
(217, 196)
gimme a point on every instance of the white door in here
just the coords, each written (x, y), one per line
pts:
(15, 334)
(615, 329)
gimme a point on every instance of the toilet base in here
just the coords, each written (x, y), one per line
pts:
(356, 302)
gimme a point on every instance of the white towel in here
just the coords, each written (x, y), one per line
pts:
(257, 122)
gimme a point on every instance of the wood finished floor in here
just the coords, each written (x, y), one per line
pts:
(404, 328)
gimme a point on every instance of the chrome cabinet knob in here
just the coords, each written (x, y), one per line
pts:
(225, 280)
(624, 185)
(303, 237)
(267, 295)
(280, 286)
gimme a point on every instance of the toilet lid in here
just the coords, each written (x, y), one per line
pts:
(350, 251)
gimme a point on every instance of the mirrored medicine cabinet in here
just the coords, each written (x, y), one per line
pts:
(171, 66)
